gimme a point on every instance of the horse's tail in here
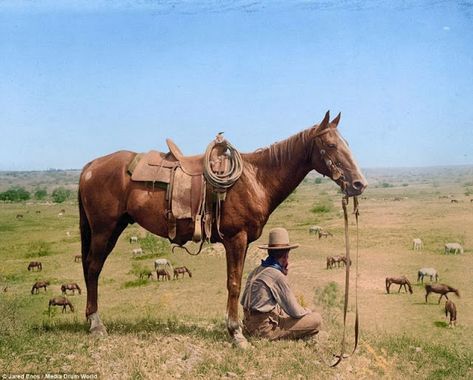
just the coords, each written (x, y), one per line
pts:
(85, 232)
(78, 288)
(32, 289)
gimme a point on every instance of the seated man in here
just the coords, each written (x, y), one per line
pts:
(270, 307)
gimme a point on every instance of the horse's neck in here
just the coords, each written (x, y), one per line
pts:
(280, 174)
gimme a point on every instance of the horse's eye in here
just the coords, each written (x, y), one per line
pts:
(332, 146)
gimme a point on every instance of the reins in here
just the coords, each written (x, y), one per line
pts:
(342, 354)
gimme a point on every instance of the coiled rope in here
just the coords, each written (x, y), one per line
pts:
(226, 179)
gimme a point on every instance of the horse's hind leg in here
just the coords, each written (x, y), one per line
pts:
(101, 244)
(235, 253)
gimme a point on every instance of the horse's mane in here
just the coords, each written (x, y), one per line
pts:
(281, 151)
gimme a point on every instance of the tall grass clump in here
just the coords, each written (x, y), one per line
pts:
(38, 248)
(322, 207)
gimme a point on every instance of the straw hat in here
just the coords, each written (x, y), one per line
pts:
(278, 239)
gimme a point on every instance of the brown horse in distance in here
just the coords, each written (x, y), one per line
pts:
(109, 201)
(183, 271)
(441, 289)
(163, 273)
(39, 284)
(451, 309)
(35, 264)
(60, 301)
(401, 281)
(72, 286)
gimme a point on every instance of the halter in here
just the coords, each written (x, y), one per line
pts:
(333, 168)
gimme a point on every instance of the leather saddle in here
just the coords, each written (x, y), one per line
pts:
(182, 177)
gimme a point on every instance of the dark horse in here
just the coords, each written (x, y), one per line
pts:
(109, 201)
(441, 289)
(39, 284)
(183, 271)
(60, 301)
(35, 264)
(401, 281)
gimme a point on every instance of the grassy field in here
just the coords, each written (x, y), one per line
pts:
(176, 329)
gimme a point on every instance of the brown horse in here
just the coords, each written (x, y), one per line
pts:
(181, 270)
(401, 281)
(451, 309)
(39, 284)
(77, 258)
(163, 273)
(35, 264)
(441, 289)
(109, 201)
(72, 286)
(60, 301)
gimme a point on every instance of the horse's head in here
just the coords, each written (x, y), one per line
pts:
(332, 157)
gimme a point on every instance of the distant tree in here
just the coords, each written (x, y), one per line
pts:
(40, 194)
(60, 194)
(15, 194)
(318, 181)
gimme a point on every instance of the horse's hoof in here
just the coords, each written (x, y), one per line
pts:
(99, 330)
(240, 341)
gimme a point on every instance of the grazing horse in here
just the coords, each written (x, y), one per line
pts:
(314, 229)
(60, 301)
(427, 272)
(77, 258)
(39, 284)
(401, 281)
(453, 247)
(181, 270)
(338, 260)
(19, 216)
(163, 264)
(417, 244)
(109, 200)
(454, 201)
(35, 264)
(137, 251)
(441, 289)
(72, 286)
(163, 273)
(324, 234)
(451, 309)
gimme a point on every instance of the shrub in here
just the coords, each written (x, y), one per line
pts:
(318, 181)
(40, 194)
(60, 194)
(15, 194)
(322, 207)
(152, 244)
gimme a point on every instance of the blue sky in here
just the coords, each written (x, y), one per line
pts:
(81, 79)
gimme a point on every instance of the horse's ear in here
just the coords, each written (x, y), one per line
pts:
(325, 122)
(334, 122)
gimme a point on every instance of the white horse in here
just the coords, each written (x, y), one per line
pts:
(314, 229)
(133, 239)
(417, 244)
(453, 247)
(162, 263)
(137, 251)
(427, 272)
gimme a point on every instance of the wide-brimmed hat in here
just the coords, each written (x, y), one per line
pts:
(278, 239)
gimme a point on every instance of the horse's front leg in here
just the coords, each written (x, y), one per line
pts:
(442, 296)
(400, 286)
(235, 248)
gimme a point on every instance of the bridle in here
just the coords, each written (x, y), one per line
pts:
(335, 169)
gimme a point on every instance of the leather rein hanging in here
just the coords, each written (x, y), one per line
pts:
(342, 354)
(336, 174)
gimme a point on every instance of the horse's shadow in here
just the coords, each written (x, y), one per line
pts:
(214, 331)
(441, 324)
